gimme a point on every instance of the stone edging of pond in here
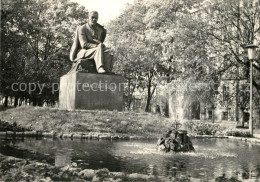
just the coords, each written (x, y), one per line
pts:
(105, 136)
(92, 135)
(254, 140)
(206, 136)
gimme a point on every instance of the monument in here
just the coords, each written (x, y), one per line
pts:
(90, 84)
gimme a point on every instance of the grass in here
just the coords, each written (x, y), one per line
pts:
(49, 119)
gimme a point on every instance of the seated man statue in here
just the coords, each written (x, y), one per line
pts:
(88, 45)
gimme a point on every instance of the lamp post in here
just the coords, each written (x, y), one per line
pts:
(251, 56)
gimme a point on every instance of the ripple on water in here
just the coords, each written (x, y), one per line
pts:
(210, 155)
(207, 154)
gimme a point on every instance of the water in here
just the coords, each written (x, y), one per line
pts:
(213, 157)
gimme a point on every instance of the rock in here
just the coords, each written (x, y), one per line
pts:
(163, 178)
(94, 136)
(74, 170)
(77, 136)
(67, 135)
(104, 137)
(48, 179)
(88, 173)
(29, 168)
(124, 122)
(74, 164)
(138, 176)
(65, 168)
(118, 174)
(114, 137)
(86, 136)
(47, 134)
(196, 179)
(125, 137)
(96, 179)
(176, 141)
(102, 173)
(133, 137)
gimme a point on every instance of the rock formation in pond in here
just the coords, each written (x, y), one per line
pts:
(175, 140)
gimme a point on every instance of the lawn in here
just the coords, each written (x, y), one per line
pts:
(50, 119)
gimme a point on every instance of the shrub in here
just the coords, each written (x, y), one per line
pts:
(238, 133)
(201, 128)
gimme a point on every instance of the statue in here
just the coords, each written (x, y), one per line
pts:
(88, 46)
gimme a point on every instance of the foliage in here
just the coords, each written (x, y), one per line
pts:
(5, 126)
(140, 37)
(187, 40)
(238, 133)
(223, 178)
(201, 128)
(35, 41)
(234, 24)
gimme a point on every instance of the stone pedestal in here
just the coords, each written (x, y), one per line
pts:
(90, 91)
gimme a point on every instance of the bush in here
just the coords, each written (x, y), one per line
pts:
(238, 133)
(201, 128)
(5, 126)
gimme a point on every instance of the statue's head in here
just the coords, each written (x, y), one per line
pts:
(93, 17)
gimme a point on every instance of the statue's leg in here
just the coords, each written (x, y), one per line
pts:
(98, 56)
(75, 66)
(108, 61)
(93, 53)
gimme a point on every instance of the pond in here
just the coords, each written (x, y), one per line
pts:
(213, 157)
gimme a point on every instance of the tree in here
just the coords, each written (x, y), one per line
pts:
(36, 39)
(138, 50)
(233, 25)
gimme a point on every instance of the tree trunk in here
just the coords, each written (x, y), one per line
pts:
(6, 101)
(243, 119)
(39, 102)
(16, 101)
(149, 95)
(213, 115)
(33, 101)
(129, 103)
(148, 101)
(21, 101)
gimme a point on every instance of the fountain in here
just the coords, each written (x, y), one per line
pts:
(175, 140)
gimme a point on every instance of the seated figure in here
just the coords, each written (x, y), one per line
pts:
(88, 46)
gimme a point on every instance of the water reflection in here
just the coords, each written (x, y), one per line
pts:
(62, 158)
(213, 157)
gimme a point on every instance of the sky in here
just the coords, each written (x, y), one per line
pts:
(107, 9)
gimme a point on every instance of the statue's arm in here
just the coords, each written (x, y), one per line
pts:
(104, 34)
(84, 43)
